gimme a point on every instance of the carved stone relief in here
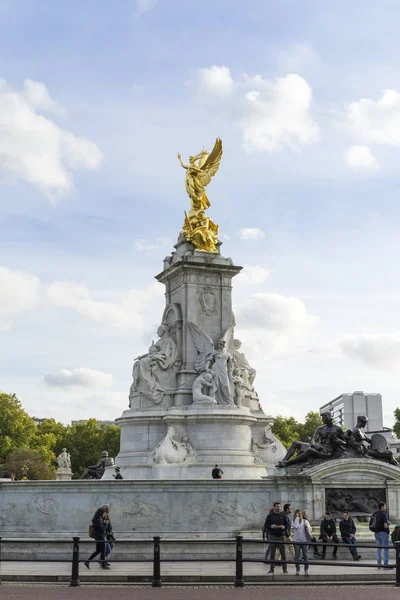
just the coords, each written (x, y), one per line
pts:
(208, 301)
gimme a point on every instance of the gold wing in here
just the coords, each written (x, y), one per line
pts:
(211, 165)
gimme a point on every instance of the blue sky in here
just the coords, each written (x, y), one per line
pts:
(97, 98)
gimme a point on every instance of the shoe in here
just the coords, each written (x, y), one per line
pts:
(317, 555)
(334, 556)
(105, 566)
(297, 572)
(87, 565)
(357, 557)
(270, 572)
(285, 572)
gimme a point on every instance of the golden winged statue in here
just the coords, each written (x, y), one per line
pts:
(198, 228)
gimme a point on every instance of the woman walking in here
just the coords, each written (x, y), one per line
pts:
(301, 534)
(101, 524)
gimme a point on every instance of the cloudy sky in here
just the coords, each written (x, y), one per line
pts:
(97, 98)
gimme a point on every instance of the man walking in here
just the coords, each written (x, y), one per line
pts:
(328, 534)
(348, 533)
(382, 534)
(277, 527)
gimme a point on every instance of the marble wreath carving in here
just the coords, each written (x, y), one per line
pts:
(331, 442)
(150, 370)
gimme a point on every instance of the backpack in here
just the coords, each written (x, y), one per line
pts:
(91, 531)
(373, 522)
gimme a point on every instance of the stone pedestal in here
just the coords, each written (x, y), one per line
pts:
(63, 474)
(169, 437)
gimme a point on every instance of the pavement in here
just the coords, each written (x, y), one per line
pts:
(51, 592)
(201, 572)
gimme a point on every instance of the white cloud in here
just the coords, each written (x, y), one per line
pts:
(251, 234)
(376, 121)
(275, 313)
(127, 313)
(19, 292)
(144, 6)
(142, 245)
(361, 158)
(376, 350)
(81, 377)
(215, 80)
(276, 114)
(36, 150)
(252, 274)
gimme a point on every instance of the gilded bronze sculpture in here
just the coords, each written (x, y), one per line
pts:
(198, 228)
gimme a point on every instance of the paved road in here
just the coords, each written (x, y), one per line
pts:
(196, 593)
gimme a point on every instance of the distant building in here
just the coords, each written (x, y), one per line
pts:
(37, 420)
(347, 407)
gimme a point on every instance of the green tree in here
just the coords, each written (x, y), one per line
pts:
(17, 428)
(37, 468)
(396, 426)
(313, 420)
(86, 440)
(287, 429)
(49, 439)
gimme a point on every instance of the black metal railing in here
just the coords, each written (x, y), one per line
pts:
(240, 559)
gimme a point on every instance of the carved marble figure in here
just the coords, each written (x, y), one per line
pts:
(170, 451)
(327, 439)
(218, 359)
(258, 448)
(97, 471)
(242, 362)
(64, 460)
(202, 384)
(149, 369)
(363, 445)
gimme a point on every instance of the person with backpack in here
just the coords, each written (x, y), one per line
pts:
(217, 473)
(348, 532)
(379, 524)
(99, 531)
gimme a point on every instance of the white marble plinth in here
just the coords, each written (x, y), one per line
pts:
(63, 474)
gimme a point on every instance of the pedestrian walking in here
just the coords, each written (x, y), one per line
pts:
(348, 532)
(266, 537)
(278, 527)
(302, 532)
(328, 534)
(381, 532)
(101, 526)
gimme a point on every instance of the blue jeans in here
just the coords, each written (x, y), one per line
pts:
(303, 548)
(382, 539)
(353, 549)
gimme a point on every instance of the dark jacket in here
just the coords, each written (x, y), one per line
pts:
(101, 525)
(276, 519)
(381, 520)
(328, 527)
(347, 527)
(217, 473)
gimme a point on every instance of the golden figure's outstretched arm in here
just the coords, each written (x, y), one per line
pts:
(180, 160)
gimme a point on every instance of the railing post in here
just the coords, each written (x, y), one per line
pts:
(75, 563)
(156, 563)
(397, 547)
(239, 581)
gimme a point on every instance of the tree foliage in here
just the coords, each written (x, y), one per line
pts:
(37, 468)
(396, 426)
(287, 429)
(17, 428)
(85, 441)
